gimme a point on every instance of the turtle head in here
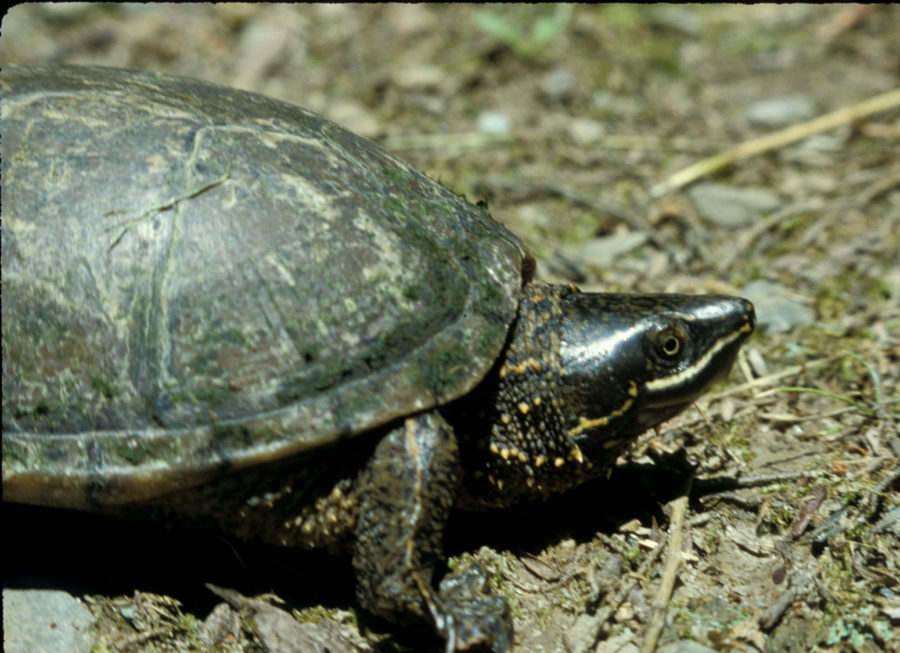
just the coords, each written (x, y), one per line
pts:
(630, 362)
(583, 374)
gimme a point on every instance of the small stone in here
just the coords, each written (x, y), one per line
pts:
(45, 620)
(602, 99)
(581, 633)
(781, 111)
(558, 84)
(757, 362)
(732, 206)
(685, 646)
(614, 104)
(603, 252)
(585, 131)
(222, 623)
(494, 122)
(65, 11)
(623, 642)
(624, 613)
(776, 309)
(278, 631)
(679, 18)
(418, 77)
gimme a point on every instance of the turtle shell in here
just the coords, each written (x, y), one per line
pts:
(198, 279)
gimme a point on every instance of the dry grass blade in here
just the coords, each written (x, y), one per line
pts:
(667, 583)
(776, 140)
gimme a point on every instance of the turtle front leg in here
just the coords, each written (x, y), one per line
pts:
(406, 492)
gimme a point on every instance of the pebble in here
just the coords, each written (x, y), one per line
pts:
(558, 84)
(66, 11)
(418, 77)
(757, 362)
(604, 251)
(683, 19)
(685, 646)
(614, 105)
(495, 123)
(776, 309)
(585, 131)
(781, 111)
(732, 206)
(45, 621)
(277, 631)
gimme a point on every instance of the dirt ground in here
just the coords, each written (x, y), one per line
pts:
(570, 122)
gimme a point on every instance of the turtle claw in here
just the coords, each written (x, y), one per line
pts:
(468, 617)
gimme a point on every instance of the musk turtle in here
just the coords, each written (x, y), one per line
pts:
(225, 308)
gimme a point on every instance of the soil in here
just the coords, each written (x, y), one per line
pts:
(565, 120)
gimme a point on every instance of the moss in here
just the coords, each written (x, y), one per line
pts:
(444, 369)
(485, 343)
(102, 385)
(46, 413)
(238, 437)
(213, 395)
(134, 451)
(318, 614)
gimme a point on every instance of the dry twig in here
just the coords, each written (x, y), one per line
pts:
(667, 583)
(776, 140)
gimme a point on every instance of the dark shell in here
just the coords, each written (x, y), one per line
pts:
(197, 279)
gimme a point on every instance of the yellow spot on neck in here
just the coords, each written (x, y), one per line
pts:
(530, 362)
(584, 424)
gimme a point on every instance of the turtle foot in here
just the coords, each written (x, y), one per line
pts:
(469, 617)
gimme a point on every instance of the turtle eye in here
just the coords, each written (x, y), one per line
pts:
(668, 344)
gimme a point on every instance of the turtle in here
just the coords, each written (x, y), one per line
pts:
(226, 309)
